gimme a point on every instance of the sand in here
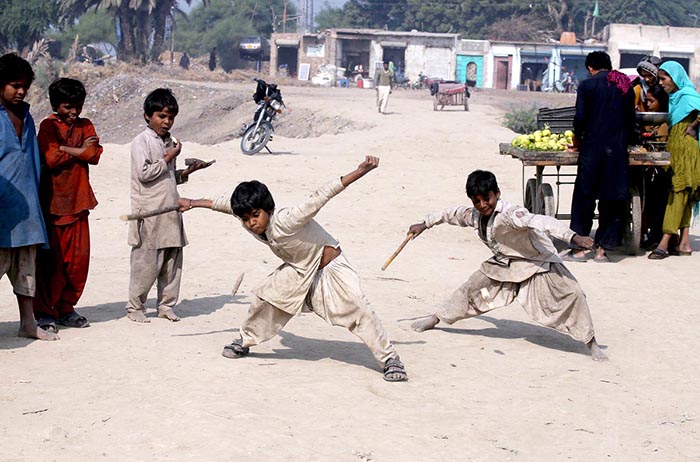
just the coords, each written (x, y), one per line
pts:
(494, 388)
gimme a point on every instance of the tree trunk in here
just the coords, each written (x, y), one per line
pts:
(160, 19)
(558, 14)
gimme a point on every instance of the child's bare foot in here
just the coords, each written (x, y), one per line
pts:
(138, 316)
(168, 314)
(596, 353)
(37, 333)
(425, 323)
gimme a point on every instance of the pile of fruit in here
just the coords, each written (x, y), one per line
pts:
(544, 140)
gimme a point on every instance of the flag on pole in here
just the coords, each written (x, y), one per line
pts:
(595, 10)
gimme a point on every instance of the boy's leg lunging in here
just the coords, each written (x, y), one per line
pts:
(555, 299)
(478, 295)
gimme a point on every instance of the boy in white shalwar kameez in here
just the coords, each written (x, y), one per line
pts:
(525, 267)
(315, 274)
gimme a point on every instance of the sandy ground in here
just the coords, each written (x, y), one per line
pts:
(494, 388)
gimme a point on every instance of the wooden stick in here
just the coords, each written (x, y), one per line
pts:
(393, 255)
(150, 213)
(237, 284)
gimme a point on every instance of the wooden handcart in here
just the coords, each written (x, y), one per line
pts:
(539, 197)
(451, 94)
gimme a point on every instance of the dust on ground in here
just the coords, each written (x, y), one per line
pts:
(215, 106)
(207, 115)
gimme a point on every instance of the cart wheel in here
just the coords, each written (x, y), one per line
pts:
(546, 200)
(632, 235)
(531, 195)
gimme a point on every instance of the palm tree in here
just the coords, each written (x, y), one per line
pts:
(136, 22)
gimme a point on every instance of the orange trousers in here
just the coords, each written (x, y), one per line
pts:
(62, 270)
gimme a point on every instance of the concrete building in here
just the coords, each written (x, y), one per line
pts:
(628, 43)
(432, 54)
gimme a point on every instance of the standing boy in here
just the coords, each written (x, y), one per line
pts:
(315, 274)
(525, 267)
(21, 224)
(156, 242)
(68, 145)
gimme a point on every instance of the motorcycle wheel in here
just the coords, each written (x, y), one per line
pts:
(254, 140)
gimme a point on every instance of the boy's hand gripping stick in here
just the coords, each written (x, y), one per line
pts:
(393, 255)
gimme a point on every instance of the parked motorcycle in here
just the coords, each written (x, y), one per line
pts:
(269, 100)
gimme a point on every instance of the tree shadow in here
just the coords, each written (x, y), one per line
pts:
(538, 335)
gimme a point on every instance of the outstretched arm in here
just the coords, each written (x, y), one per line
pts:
(369, 164)
(457, 216)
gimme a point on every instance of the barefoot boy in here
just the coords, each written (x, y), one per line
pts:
(315, 274)
(68, 145)
(525, 267)
(156, 242)
(21, 224)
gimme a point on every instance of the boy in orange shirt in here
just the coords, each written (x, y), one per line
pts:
(67, 144)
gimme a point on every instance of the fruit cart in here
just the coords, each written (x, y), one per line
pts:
(451, 94)
(539, 197)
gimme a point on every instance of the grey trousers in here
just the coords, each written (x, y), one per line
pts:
(149, 266)
(553, 299)
(337, 297)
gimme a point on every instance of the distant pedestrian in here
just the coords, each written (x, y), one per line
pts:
(383, 82)
(185, 61)
(212, 59)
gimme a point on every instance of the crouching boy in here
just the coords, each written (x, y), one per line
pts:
(315, 274)
(525, 267)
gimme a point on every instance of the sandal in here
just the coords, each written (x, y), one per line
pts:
(571, 256)
(658, 254)
(394, 370)
(74, 319)
(48, 324)
(235, 350)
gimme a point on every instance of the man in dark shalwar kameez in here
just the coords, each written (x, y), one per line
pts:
(603, 128)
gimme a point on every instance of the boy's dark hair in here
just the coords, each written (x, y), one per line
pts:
(66, 90)
(598, 60)
(251, 195)
(661, 96)
(480, 182)
(13, 67)
(159, 99)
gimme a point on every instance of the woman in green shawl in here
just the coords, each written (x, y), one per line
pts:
(684, 111)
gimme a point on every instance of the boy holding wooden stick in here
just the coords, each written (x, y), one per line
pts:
(315, 274)
(525, 267)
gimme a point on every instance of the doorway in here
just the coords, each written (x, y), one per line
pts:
(503, 66)
(287, 59)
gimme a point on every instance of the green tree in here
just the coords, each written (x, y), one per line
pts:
(141, 24)
(222, 23)
(93, 26)
(23, 22)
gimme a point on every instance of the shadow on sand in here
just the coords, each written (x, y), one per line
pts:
(508, 329)
(115, 310)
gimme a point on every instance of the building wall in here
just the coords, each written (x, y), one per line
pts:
(666, 42)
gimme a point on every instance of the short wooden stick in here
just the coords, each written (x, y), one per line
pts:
(393, 255)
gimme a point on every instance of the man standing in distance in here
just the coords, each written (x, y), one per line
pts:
(383, 81)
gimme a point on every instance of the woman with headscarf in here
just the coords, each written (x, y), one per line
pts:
(648, 70)
(684, 112)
